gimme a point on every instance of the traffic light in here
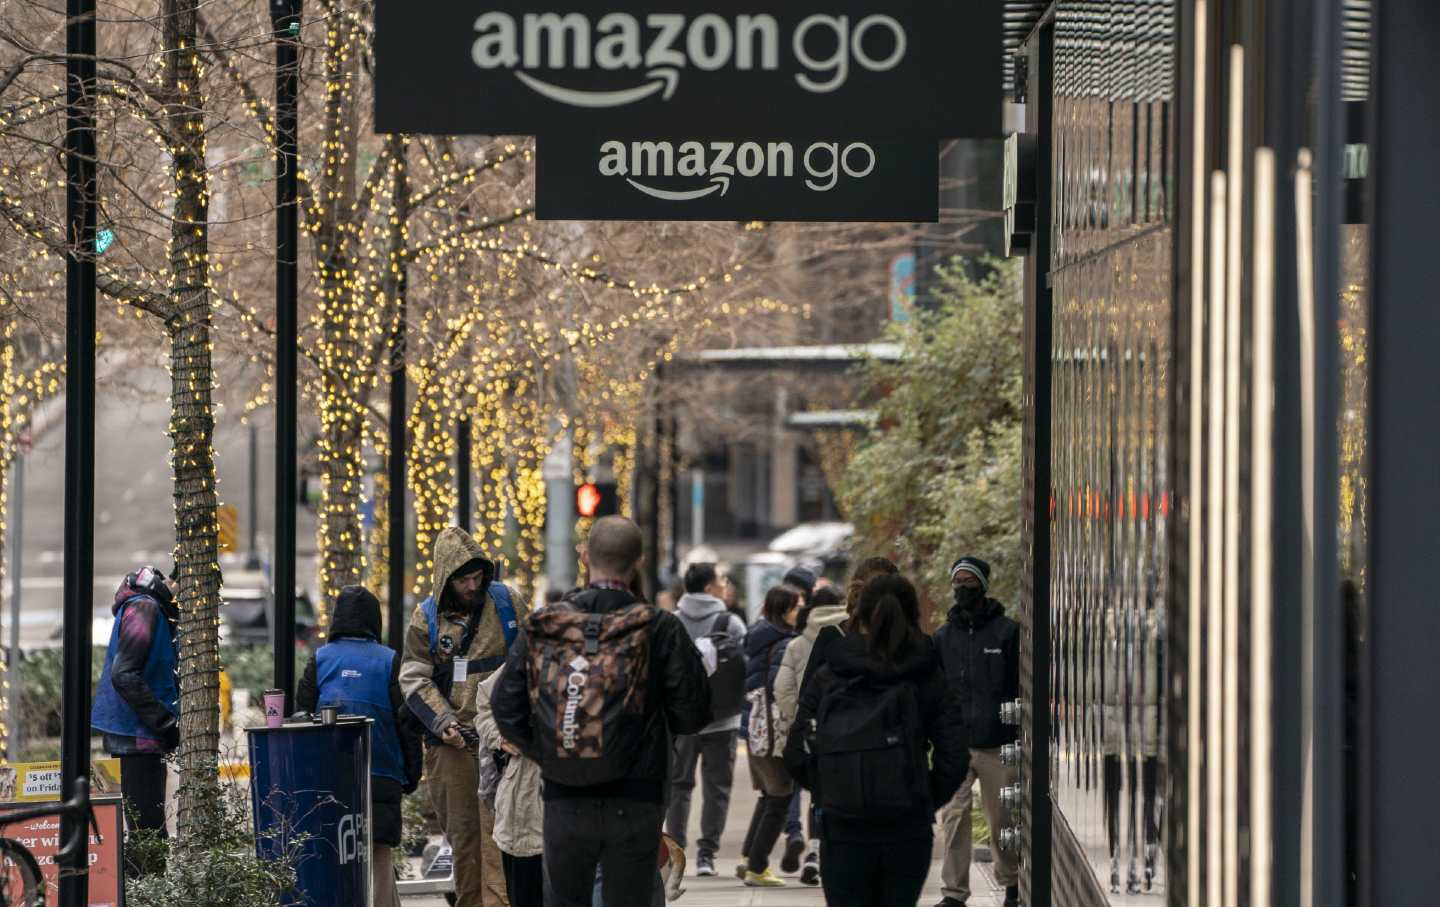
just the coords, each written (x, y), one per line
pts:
(597, 499)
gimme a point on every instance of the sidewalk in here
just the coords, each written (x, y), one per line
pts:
(725, 890)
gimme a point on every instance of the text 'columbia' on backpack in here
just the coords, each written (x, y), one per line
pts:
(588, 679)
(727, 684)
(869, 752)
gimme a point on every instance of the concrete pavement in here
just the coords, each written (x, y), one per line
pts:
(725, 890)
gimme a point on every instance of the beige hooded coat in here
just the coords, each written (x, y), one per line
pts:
(797, 656)
(453, 549)
(519, 811)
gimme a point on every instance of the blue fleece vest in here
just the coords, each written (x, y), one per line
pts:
(110, 712)
(354, 674)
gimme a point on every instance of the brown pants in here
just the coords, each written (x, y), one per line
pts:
(382, 871)
(986, 767)
(479, 872)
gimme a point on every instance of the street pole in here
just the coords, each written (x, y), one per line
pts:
(17, 552)
(252, 561)
(462, 473)
(285, 17)
(79, 590)
(560, 514)
(395, 633)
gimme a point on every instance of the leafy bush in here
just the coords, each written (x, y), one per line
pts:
(219, 868)
(941, 475)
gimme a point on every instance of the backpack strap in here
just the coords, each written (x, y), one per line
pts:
(715, 628)
(593, 625)
(505, 610)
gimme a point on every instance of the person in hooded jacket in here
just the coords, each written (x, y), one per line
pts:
(519, 810)
(456, 638)
(702, 611)
(871, 862)
(825, 609)
(764, 648)
(980, 649)
(137, 702)
(360, 675)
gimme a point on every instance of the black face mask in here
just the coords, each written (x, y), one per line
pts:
(969, 598)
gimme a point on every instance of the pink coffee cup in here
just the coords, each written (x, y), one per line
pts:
(274, 708)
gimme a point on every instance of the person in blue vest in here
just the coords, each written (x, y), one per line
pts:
(457, 638)
(362, 677)
(137, 703)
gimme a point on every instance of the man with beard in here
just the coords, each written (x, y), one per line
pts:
(456, 639)
(980, 650)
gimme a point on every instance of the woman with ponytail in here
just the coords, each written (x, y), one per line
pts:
(878, 741)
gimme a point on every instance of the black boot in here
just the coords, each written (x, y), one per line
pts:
(1012, 896)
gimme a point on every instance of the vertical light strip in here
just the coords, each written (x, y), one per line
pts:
(1230, 576)
(1305, 300)
(1262, 465)
(1194, 648)
(1215, 545)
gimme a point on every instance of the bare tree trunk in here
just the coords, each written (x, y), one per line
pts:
(192, 422)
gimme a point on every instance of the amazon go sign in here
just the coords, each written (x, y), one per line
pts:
(914, 68)
(736, 179)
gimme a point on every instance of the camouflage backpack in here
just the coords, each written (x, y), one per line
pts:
(589, 674)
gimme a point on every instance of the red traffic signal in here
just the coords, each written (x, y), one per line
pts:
(587, 500)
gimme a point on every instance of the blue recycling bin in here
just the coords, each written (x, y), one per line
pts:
(310, 786)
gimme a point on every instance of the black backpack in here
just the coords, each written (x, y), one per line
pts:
(870, 758)
(727, 684)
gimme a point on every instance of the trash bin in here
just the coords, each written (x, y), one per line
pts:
(310, 786)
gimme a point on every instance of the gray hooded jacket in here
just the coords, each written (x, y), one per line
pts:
(697, 612)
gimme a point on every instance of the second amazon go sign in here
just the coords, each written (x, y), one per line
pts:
(914, 68)
(730, 179)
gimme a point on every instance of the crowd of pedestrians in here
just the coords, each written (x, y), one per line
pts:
(561, 746)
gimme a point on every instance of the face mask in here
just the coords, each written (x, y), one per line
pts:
(969, 598)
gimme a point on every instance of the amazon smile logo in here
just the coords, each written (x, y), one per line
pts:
(542, 47)
(716, 164)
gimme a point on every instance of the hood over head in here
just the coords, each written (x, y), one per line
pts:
(155, 590)
(698, 606)
(851, 659)
(455, 549)
(357, 615)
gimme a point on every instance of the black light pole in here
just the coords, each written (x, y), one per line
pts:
(252, 558)
(396, 506)
(462, 473)
(79, 432)
(285, 16)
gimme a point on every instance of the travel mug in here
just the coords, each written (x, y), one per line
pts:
(274, 708)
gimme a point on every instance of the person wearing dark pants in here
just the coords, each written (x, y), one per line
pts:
(137, 702)
(524, 880)
(715, 756)
(886, 750)
(576, 698)
(765, 734)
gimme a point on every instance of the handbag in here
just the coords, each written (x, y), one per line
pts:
(767, 729)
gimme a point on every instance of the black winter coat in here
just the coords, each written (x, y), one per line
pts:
(764, 651)
(939, 714)
(981, 655)
(358, 617)
(677, 702)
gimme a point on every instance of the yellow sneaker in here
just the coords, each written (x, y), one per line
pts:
(766, 879)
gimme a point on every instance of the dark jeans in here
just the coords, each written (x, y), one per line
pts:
(621, 837)
(142, 785)
(524, 880)
(716, 755)
(875, 873)
(768, 775)
(793, 828)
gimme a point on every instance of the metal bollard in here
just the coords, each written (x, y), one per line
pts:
(1010, 754)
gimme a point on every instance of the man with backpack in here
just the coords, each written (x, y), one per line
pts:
(980, 650)
(592, 691)
(457, 638)
(720, 636)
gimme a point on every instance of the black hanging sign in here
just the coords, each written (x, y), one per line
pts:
(606, 178)
(917, 68)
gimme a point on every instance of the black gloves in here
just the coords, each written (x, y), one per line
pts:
(170, 735)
